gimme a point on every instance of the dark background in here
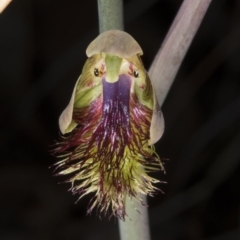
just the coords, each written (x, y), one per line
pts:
(42, 51)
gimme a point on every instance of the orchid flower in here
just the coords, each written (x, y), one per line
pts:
(110, 125)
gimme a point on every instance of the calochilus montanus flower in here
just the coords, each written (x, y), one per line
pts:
(109, 127)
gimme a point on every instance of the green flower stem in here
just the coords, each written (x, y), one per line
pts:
(110, 14)
(136, 226)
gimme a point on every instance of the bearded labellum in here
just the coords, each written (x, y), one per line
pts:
(110, 126)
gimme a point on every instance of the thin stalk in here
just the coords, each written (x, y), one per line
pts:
(174, 48)
(136, 226)
(110, 15)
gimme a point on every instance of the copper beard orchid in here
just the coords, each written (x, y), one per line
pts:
(110, 126)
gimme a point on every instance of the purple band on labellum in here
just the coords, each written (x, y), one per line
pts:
(112, 134)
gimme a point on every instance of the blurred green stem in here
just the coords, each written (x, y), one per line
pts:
(175, 46)
(136, 226)
(110, 14)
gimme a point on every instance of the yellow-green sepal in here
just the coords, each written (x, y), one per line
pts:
(66, 124)
(157, 122)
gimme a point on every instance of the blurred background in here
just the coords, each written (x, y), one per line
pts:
(42, 51)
